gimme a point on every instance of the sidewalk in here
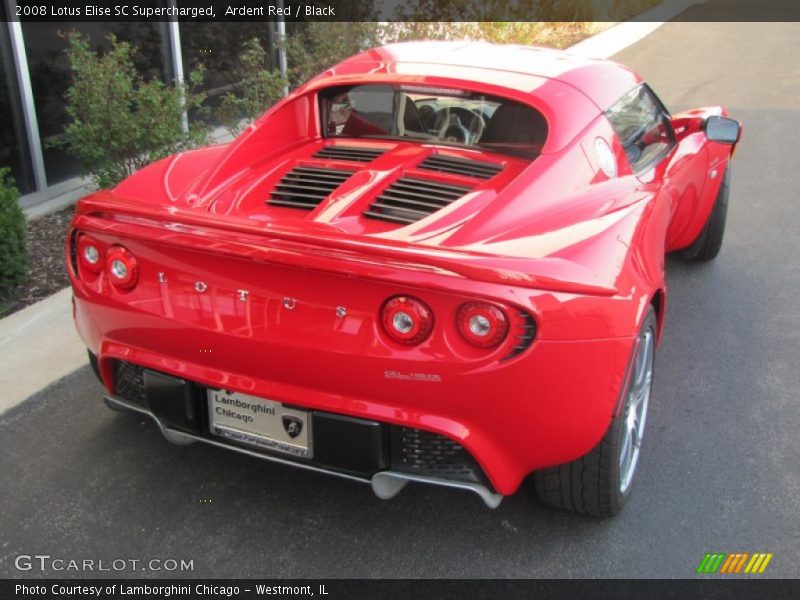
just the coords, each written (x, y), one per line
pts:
(38, 345)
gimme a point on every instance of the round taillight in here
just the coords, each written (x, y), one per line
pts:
(407, 320)
(123, 271)
(482, 324)
(89, 254)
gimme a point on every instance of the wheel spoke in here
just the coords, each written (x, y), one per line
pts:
(635, 437)
(625, 452)
(636, 395)
(636, 408)
(643, 362)
(638, 367)
(639, 394)
(630, 419)
(648, 350)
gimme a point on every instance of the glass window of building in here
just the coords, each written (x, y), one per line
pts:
(50, 76)
(13, 140)
(217, 47)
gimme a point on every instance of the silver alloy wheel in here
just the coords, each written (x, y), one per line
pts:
(635, 411)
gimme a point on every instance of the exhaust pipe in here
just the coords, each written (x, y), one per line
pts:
(385, 484)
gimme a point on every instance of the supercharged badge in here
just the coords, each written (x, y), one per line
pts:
(428, 377)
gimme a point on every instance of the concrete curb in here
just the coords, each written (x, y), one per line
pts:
(39, 344)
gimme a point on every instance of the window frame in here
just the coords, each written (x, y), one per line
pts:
(666, 118)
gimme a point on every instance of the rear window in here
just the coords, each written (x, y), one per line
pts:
(433, 115)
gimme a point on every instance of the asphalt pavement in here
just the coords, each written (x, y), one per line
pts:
(719, 471)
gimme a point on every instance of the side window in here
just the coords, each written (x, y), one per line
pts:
(642, 125)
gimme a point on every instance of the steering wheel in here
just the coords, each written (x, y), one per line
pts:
(451, 128)
(476, 127)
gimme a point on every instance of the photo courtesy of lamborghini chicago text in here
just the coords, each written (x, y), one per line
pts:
(426, 298)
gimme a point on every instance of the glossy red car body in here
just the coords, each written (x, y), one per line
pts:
(582, 253)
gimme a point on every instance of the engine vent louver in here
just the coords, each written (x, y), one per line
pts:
(306, 187)
(408, 200)
(353, 153)
(460, 166)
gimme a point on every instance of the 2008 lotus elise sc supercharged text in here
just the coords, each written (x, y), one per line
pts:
(435, 262)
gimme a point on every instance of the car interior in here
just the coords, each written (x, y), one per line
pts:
(460, 119)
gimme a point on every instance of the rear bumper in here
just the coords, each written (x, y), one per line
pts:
(364, 451)
(548, 406)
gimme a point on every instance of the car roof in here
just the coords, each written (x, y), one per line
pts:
(602, 81)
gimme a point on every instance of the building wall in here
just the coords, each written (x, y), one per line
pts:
(41, 168)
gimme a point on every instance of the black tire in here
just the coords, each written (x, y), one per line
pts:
(592, 484)
(708, 244)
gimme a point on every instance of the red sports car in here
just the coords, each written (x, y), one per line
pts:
(434, 262)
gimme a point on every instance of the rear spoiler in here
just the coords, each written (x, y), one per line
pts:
(320, 248)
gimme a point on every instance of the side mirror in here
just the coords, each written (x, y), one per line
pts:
(722, 129)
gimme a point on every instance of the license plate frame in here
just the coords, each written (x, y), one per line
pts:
(259, 422)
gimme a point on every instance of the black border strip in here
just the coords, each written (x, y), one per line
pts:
(390, 589)
(232, 11)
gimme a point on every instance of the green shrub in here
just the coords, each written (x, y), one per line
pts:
(260, 87)
(120, 122)
(13, 242)
(315, 47)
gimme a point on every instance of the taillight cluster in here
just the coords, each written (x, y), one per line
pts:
(119, 264)
(409, 321)
(90, 254)
(483, 325)
(122, 268)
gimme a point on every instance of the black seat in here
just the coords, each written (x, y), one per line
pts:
(412, 120)
(516, 125)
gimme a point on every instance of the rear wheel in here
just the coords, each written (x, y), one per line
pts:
(599, 482)
(709, 242)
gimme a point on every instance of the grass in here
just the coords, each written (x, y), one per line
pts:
(560, 28)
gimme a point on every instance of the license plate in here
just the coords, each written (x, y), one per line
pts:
(259, 422)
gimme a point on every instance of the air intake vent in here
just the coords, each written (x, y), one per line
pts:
(460, 166)
(408, 200)
(353, 153)
(433, 455)
(524, 334)
(306, 187)
(129, 382)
